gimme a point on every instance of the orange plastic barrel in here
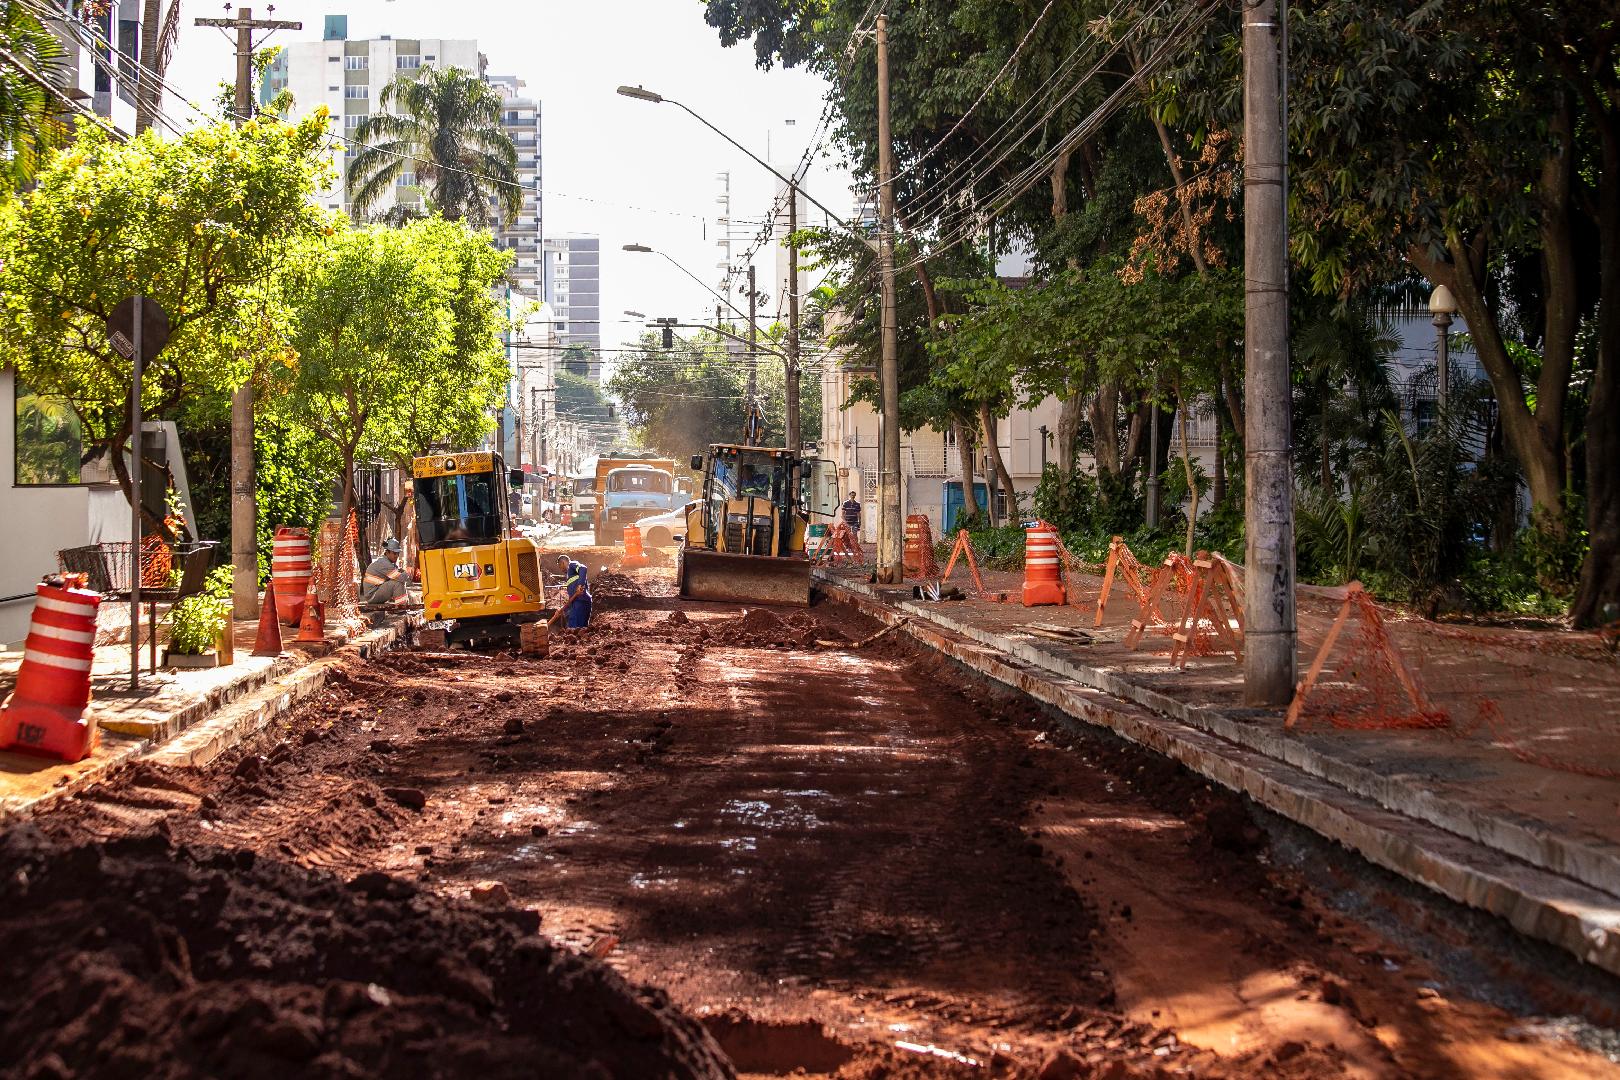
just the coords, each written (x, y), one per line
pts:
(1043, 579)
(290, 570)
(45, 715)
(634, 557)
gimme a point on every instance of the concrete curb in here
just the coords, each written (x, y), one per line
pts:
(1576, 917)
(244, 718)
(203, 730)
(1591, 863)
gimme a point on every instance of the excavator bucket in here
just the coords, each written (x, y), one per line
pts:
(744, 579)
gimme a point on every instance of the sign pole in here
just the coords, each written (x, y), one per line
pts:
(135, 501)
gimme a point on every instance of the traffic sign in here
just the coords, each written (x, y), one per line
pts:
(154, 328)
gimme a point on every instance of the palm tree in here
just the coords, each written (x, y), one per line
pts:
(159, 31)
(31, 125)
(447, 124)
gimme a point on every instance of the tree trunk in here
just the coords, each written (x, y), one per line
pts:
(1105, 428)
(1068, 434)
(1536, 445)
(1186, 464)
(148, 94)
(1217, 491)
(1597, 600)
(988, 421)
(346, 506)
(964, 448)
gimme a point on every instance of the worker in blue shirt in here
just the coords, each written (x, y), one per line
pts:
(576, 592)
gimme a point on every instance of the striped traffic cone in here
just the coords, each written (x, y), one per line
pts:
(45, 714)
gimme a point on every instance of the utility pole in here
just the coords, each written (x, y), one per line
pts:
(244, 487)
(890, 569)
(754, 344)
(1270, 628)
(795, 436)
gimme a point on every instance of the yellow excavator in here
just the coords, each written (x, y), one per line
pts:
(480, 583)
(745, 534)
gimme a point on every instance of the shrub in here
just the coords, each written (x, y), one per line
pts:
(196, 622)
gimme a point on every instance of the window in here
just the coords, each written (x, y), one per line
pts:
(407, 63)
(47, 440)
(352, 121)
(456, 510)
(405, 179)
(357, 90)
(356, 63)
(333, 59)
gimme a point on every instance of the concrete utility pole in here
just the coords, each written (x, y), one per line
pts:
(754, 347)
(244, 488)
(1269, 633)
(795, 436)
(890, 568)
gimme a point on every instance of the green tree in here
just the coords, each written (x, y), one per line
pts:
(398, 341)
(30, 124)
(444, 125)
(685, 398)
(197, 224)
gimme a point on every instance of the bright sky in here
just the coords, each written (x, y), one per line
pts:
(629, 171)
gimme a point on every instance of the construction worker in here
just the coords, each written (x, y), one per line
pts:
(850, 510)
(384, 582)
(576, 592)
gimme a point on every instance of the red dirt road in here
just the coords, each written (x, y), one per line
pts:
(840, 860)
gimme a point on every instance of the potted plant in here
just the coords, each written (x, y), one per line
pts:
(197, 622)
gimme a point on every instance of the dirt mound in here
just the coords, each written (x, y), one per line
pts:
(140, 957)
(760, 628)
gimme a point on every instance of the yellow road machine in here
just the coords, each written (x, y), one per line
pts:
(480, 583)
(745, 534)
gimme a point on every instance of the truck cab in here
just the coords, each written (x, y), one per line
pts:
(630, 493)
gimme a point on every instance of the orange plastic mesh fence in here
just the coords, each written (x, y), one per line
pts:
(335, 570)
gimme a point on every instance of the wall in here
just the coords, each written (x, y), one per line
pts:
(35, 522)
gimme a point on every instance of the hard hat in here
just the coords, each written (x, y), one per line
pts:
(391, 546)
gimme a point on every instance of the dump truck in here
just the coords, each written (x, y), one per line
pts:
(745, 533)
(629, 488)
(480, 584)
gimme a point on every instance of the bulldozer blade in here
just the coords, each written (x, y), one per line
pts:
(744, 579)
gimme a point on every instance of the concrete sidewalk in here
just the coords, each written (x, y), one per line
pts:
(171, 702)
(1495, 816)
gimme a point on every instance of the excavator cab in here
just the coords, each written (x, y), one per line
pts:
(745, 534)
(479, 583)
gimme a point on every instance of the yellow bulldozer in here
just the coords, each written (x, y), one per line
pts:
(480, 582)
(745, 534)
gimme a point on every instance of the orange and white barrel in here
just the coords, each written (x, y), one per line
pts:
(1043, 576)
(45, 714)
(290, 570)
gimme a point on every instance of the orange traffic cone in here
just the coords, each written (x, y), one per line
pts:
(312, 627)
(45, 715)
(268, 643)
(634, 557)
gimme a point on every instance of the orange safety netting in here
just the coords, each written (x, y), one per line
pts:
(1212, 611)
(1370, 685)
(1163, 603)
(1123, 564)
(963, 549)
(336, 571)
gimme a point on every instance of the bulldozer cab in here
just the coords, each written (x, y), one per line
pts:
(745, 535)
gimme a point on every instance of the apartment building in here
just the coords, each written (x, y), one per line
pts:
(520, 118)
(573, 291)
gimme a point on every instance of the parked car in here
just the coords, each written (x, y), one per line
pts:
(662, 530)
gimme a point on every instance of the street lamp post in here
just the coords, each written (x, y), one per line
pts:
(1442, 305)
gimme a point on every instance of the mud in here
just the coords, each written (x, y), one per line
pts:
(139, 956)
(841, 862)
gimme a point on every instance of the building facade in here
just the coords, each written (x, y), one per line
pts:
(573, 291)
(520, 119)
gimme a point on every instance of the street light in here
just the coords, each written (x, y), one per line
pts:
(641, 93)
(643, 249)
(1442, 305)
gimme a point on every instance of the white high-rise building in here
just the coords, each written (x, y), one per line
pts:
(520, 119)
(573, 291)
(348, 78)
